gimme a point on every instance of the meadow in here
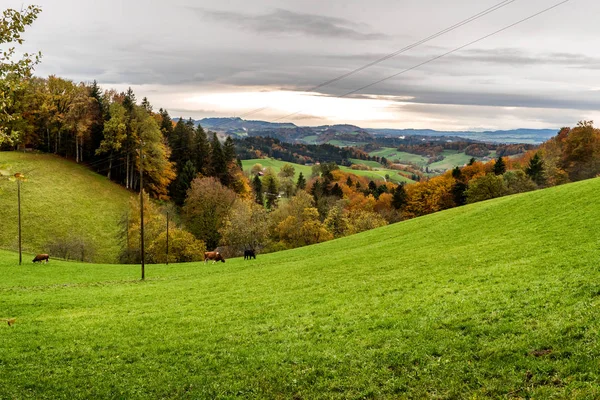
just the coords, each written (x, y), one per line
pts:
(377, 174)
(60, 200)
(492, 300)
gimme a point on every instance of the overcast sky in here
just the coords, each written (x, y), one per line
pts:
(225, 58)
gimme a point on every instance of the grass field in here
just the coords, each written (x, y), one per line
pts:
(60, 199)
(396, 156)
(493, 300)
(307, 171)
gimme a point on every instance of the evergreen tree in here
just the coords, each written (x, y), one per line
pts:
(301, 183)
(399, 198)
(258, 191)
(336, 191)
(272, 193)
(535, 169)
(499, 166)
(349, 182)
(146, 105)
(472, 161)
(166, 124)
(202, 151)
(229, 150)
(456, 173)
(129, 100)
(218, 163)
(183, 183)
(459, 194)
(317, 190)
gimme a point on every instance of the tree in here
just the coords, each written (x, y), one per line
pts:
(337, 221)
(499, 166)
(301, 182)
(229, 149)
(518, 182)
(272, 191)
(287, 171)
(205, 209)
(256, 169)
(218, 162)
(114, 133)
(258, 191)
(399, 197)
(486, 187)
(472, 161)
(535, 169)
(183, 247)
(361, 221)
(202, 151)
(14, 73)
(336, 191)
(183, 182)
(246, 227)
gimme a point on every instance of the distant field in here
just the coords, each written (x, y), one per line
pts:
(345, 143)
(452, 159)
(276, 165)
(60, 199)
(396, 156)
(372, 164)
(495, 300)
(307, 171)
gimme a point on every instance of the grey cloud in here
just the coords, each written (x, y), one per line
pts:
(516, 57)
(284, 21)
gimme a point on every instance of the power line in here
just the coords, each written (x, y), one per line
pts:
(439, 56)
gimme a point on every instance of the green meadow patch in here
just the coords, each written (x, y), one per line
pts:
(498, 299)
(60, 201)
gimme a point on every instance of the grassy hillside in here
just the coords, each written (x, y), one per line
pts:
(60, 199)
(493, 300)
(378, 174)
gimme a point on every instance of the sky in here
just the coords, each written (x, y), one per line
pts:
(262, 59)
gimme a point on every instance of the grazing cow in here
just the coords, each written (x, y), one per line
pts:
(214, 256)
(249, 254)
(41, 257)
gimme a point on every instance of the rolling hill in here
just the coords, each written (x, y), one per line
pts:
(61, 201)
(492, 300)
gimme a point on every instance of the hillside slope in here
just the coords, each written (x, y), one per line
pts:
(60, 201)
(492, 300)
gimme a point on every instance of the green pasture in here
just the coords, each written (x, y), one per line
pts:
(60, 200)
(498, 299)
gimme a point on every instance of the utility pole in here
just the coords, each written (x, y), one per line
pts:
(167, 238)
(142, 207)
(18, 176)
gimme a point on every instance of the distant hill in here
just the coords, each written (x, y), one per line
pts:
(61, 201)
(288, 131)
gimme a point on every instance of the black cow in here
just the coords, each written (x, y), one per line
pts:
(41, 257)
(249, 254)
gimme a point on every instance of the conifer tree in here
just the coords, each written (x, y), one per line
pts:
(399, 198)
(183, 182)
(499, 166)
(229, 150)
(202, 151)
(535, 169)
(336, 191)
(301, 183)
(258, 191)
(217, 161)
(272, 192)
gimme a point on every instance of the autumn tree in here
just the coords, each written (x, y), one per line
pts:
(183, 247)
(486, 187)
(205, 209)
(245, 227)
(13, 73)
(517, 181)
(399, 197)
(114, 133)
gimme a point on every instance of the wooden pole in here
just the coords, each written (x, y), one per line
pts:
(142, 208)
(167, 238)
(19, 212)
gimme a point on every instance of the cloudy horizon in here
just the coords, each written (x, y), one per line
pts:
(217, 59)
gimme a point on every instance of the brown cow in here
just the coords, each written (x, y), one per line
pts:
(41, 257)
(214, 256)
